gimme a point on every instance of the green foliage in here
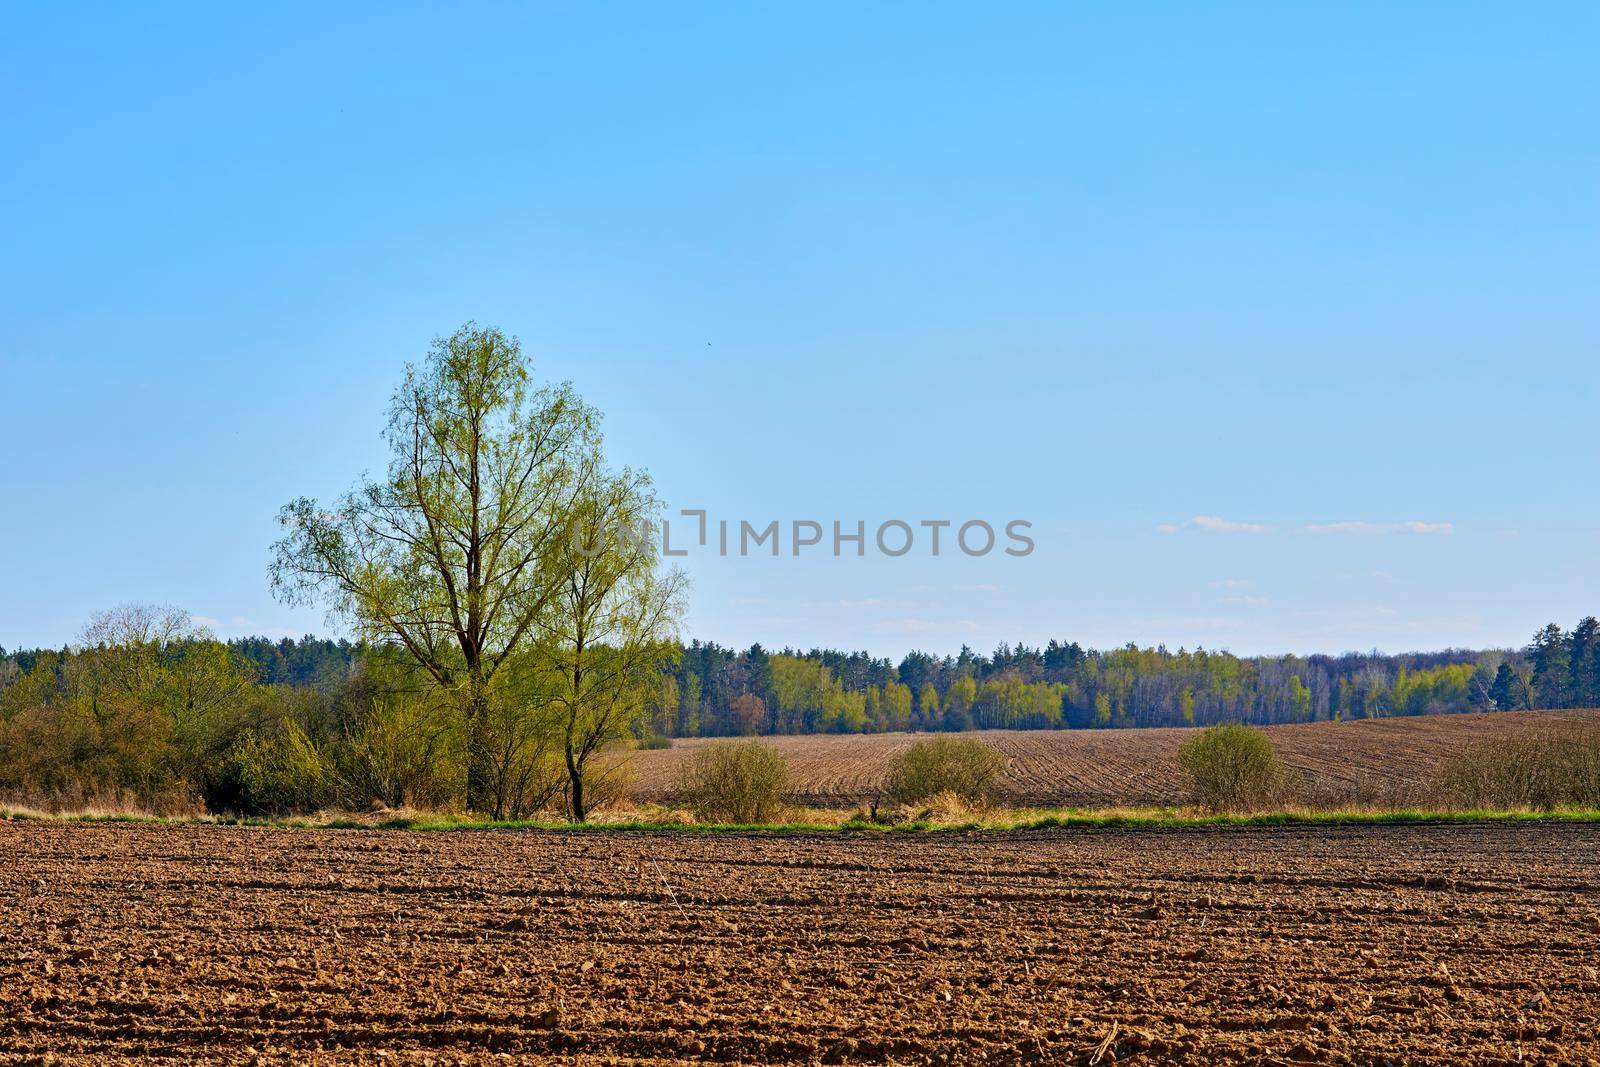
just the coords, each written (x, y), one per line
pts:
(524, 768)
(1234, 767)
(708, 690)
(386, 737)
(146, 711)
(960, 697)
(1008, 702)
(284, 773)
(408, 749)
(809, 698)
(736, 782)
(1066, 685)
(1551, 655)
(609, 631)
(1511, 690)
(1583, 663)
(136, 713)
(1429, 692)
(1299, 699)
(456, 555)
(962, 766)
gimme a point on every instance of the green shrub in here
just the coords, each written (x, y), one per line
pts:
(1234, 768)
(736, 782)
(407, 749)
(654, 741)
(283, 773)
(526, 771)
(60, 758)
(963, 766)
(1542, 769)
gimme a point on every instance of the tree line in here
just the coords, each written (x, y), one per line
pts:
(706, 689)
(712, 690)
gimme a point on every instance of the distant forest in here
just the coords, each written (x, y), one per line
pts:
(711, 690)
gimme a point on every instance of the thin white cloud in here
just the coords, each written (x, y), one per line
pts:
(1249, 601)
(1230, 583)
(1215, 525)
(1358, 528)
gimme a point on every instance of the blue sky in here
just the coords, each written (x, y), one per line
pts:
(1178, 284)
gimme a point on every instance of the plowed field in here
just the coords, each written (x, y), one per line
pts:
(1378, 759)
(1422, 944)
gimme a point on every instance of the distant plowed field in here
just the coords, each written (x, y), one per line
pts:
(1371, 759)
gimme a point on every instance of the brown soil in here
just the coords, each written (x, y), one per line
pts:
(1382, 761)
(1423, 944)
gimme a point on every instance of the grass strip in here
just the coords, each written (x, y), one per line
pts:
(1060, 820)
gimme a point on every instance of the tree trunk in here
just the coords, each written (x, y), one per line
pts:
(480, 761)
(574, 764)
(575, 779)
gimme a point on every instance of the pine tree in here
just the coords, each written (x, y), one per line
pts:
(1583, 667)
(1551, 655)
(1507, 692)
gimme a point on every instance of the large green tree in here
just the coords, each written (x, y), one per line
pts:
(458, 554)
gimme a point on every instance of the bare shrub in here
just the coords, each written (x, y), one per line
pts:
(1234, 767)
(63, 756)
(1541, 769)
(736, 782)
(961, 766)
(1364, 792)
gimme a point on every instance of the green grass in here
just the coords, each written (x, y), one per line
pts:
(1161, 819)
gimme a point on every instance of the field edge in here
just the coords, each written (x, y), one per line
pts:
(1064, 820)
